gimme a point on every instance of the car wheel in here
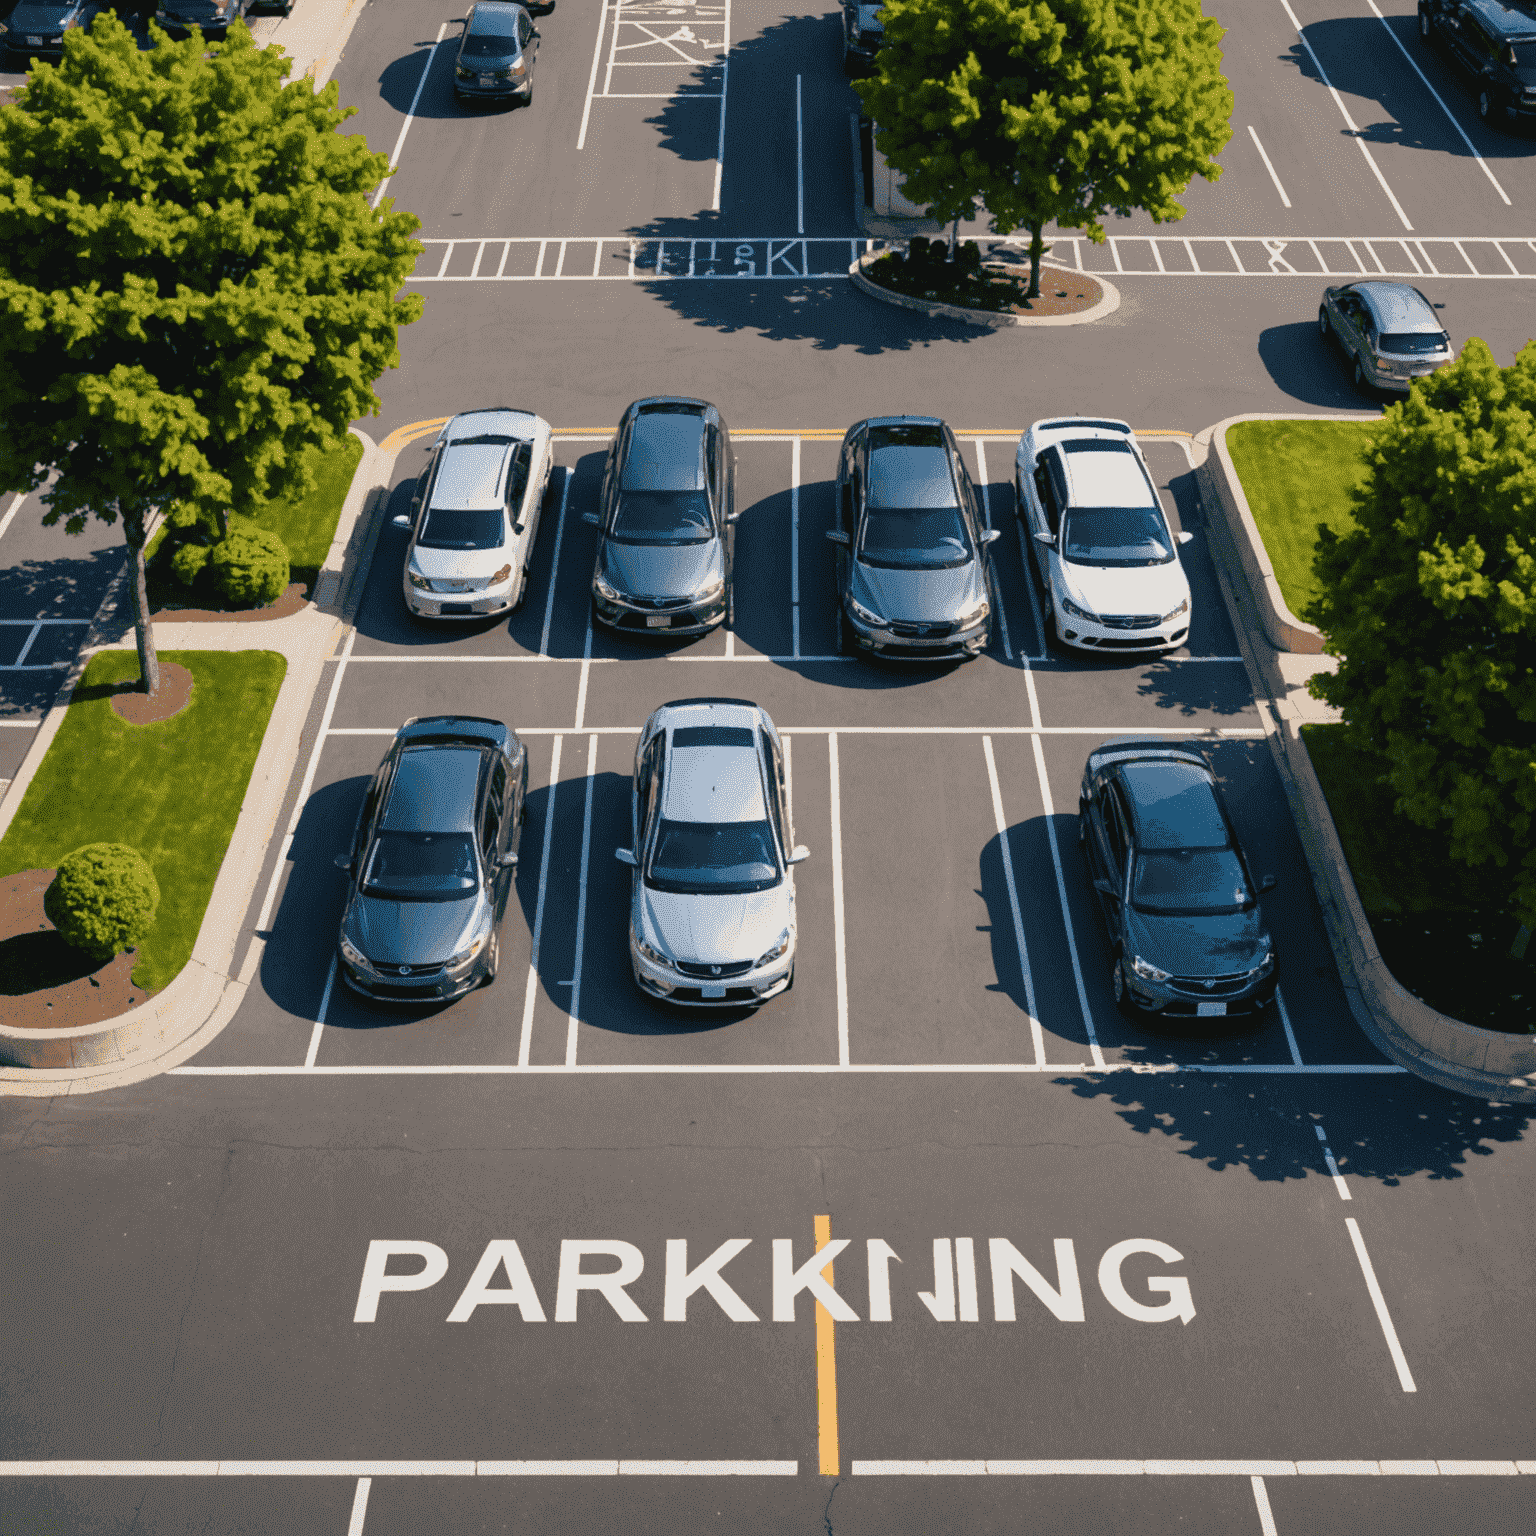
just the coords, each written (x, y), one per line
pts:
(1117, 985)
(1362, 383)
(492, 959)
(1325, 330)
(1082, 824)
(1485, 106)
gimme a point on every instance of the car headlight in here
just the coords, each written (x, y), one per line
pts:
(417, 580)
(868, 615)
(1069, 606)
(712, 591)
(1264, 967)
(604, 589)
(780, 946)
(1178, 612)
(1146, 970)
(464, 74)
(352, 954)
(651, 953)
(470, 950)
(974, 614)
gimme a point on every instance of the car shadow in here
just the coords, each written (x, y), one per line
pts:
(1310, 368)
(402, 76)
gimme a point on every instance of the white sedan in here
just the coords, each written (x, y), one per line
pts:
(475, 515)
(1106, 556)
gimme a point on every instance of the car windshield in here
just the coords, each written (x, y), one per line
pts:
(1523, 55)
(914, 538)
(713, 857)
(1190, 882)
(462, 528)
(40, 15)
(663, 517)
(421, 866)
(1413, 343)
(488, 45)
(1116, 536)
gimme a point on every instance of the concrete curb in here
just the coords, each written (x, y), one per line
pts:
(178, 1021)
(1106, 306)
(313, 37)
(1481, 1063)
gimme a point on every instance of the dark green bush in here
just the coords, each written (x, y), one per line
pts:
(103, 899)
(920, 251)
(967, 257)
(250, 566)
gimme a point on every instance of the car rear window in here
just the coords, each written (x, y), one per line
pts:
(489, 23)
(1414, 343)
(713, 736)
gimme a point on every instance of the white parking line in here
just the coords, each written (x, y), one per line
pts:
(839, 938)
(799, 161)
(566, 476)
(1193, 1467)
(1224, 733)
(525, 1041)
(1471, 147)
(1333, 1167)
(794, 546)
(359, 1507)
(1338, 101)
(581, 908)
(597, 58)
(11, 511)
(810, 1069)
(1290, 1034)
(1268, 166)
(1261, 1500)
(318, 1032)
(725, 79)
(405, 127)
(986, 510)
(1037, 1035)
(1404, 1375)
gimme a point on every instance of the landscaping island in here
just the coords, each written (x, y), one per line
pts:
(994, 285)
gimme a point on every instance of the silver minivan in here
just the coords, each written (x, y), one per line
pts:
(1390, 330)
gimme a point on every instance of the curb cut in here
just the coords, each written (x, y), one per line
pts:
(1481, 1063)
(205, 995)
(984, 317)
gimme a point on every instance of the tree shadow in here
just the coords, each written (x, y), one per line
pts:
(66, 587)
(1309, 367)
(1199, 690)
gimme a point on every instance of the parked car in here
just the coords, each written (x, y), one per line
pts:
(1494, 47)
(497, 52)
(432, 860)
(1173, 885)
(667, 510)
(914, 573)
(712, 906)
(475, 515)
(37, 30)
(863, 33)
(1101, 546)
(210, 17)
(1390, 330)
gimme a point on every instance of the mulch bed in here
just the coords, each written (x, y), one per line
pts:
(138, 708)
(997, 288)
(294, 599)
(44, 984)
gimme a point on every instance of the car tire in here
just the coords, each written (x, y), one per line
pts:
(1362, 383)
(492, 959)
(1485, 108)
(1082, 825)
(1325, 329)
(1121, 991)
(1425, 34)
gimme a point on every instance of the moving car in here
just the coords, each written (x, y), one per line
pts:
(432, 860)
(712, 906)
(863, 33)
(914, 576)
(1104, 552)
(37, 30)
(667, 511)
(211, 17)
(1390, 329)
(1494, 46)
(497, 51)
(1178, 901)
(475, 516)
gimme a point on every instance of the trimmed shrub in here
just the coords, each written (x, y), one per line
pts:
(920, 251)
(968, 257)
(103, 899)
(250, 566)
(188, 562)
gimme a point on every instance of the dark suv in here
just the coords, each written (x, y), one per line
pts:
(1494, 45)
(863, 33)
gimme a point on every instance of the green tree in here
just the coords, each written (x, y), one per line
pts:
(1430, 605)
(193, 288)
(103, 899)
(1049, 111)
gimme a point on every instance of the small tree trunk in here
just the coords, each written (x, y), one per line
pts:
(143, 630)
(222, 518)
(954, 240)
(1037, 249)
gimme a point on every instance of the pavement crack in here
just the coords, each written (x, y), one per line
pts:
(826, 1511)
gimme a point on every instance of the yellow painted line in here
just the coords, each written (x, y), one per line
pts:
(402, 435)
(826, 1367)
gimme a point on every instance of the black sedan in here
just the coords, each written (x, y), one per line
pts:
(667, 511)
(914, 577)
(432, 860)
(211, 17)
(497, 53)
(1178, 900)
(37, 31)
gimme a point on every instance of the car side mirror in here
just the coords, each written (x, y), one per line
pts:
(1048, 539)
(837, 536)
(1184, 536)
(1268, 883)
(402, 521)
(626, 856)
(991, 535)
(735, 517)
(507, 861)
(799, 854)
(1104, 888)
(591, 517)
(344, 861)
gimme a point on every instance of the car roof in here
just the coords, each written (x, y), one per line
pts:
(434, 790)
(1399, 307)
(1507, 21)
(713, 773)
(1104, 471)
(1173, 804)
(666, 450)
(470, 475)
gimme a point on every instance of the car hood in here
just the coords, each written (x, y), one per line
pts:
(1126, 589)
(458, 564)
(411, 932)
(661, 570)
(712, 928)
(39, 19)
(1198, 946)
(922, 597)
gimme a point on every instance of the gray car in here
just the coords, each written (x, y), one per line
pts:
(497, 52)
(667, 510)
(712, 906)
(914, 577)
(1390, 330)
(432, 861)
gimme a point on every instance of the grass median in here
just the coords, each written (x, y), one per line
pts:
(172, 789)
(1297, 476)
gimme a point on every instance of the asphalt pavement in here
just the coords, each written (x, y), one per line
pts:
(364, 1270)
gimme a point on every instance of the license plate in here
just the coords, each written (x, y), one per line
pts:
(658, 620)
(1210, 1010)
(487, 80)
(35, 41)
(712, 992)
(458, 608)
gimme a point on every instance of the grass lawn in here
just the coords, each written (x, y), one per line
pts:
(1297, 476)
(1443, 928)
(306, 526)
(172, 790)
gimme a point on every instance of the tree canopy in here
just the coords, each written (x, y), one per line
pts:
(1049, 111)
(193, 287)
(1430, 604)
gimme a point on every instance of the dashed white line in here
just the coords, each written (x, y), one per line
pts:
(1333, 1167)
(1378, 1301)
(1268, 166)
